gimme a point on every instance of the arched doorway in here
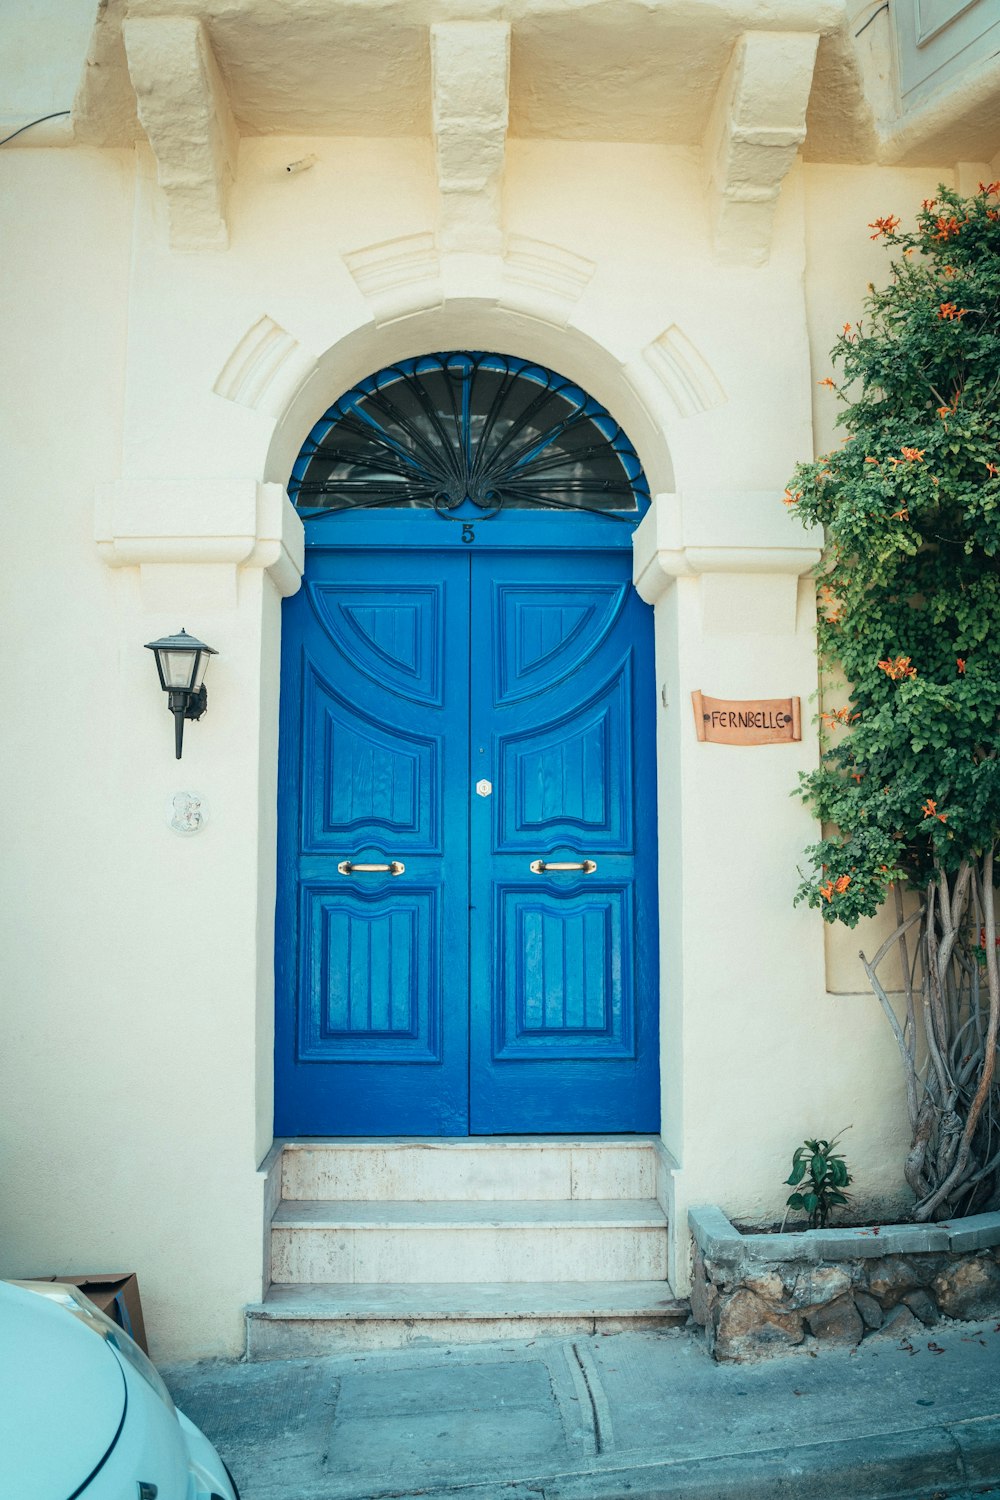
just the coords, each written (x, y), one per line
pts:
(467, 917)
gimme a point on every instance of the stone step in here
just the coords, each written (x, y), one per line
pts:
(470, 1241)
(298, 1321)
(470, 1167)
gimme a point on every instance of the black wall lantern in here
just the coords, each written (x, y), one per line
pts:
(181, 663)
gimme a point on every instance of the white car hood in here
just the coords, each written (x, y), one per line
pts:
(63, 1398)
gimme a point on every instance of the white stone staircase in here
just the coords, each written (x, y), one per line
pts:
(378, 1243)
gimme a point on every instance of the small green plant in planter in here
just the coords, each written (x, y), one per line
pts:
(820, 1174)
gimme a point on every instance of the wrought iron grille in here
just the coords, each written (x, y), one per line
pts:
(450, 431)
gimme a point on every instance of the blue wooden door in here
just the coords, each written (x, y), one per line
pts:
(564, 988)
(476, 717)
(372, 966)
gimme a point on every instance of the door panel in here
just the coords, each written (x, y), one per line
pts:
(568, 778)
(564, 1009)
(563, 992)
(373, 1035)
(544, 631)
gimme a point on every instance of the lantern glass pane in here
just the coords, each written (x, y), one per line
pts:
(204, 657)
(178, 667)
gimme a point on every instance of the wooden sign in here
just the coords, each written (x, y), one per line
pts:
(746, 721)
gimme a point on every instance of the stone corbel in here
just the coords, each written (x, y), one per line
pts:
(470, 76)
(217, 527)
(748, 552)
(184, 110)
(757, 125)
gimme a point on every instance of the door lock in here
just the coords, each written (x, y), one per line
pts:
(484, 788)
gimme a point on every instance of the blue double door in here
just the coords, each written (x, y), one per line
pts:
(467, 803)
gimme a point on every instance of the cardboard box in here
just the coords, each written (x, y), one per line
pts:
(117, 1296)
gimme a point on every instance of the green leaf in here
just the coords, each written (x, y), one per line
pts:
(798, 1172)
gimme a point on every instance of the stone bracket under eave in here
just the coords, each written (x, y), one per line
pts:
(470, 85)
(184, 110)
(757, 125)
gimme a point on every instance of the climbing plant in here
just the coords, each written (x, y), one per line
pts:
(908, 787)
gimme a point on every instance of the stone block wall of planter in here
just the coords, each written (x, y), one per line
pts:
(755, 1294)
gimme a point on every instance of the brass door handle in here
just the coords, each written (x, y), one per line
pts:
(394, 867)
(540, 867)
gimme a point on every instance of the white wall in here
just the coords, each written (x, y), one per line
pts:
(138, 989)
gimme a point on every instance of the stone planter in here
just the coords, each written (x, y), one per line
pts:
(757, 1293)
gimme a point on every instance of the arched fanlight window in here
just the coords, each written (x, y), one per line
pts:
(447, 431)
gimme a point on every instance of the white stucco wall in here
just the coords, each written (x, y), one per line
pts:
(137, 982)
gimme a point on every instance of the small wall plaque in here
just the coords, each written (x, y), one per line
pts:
(187, 813)
(746, 721)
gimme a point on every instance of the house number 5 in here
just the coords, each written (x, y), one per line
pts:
(468, 532)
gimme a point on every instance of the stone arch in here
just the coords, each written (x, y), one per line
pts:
(473, 323)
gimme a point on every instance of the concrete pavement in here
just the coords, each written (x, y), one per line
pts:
(641, 1415)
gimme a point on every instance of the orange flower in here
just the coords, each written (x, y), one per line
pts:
(870, 460)
(960, 660)
(897, 667)
(989, 189)
(841, 883)
(826, 891)
(951, 312)
(839, 716)
(928, 204)
(943, 412)
(929, 810)
(886, 225)
(992, 470)
(946, 228)
(791, 497)
(949, 270)
(901, 515)
(856, 776)
(828, 382)
(915, 455)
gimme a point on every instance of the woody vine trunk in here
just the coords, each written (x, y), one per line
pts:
(951, 1092)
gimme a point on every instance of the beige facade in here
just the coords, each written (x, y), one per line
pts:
(667, 203)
